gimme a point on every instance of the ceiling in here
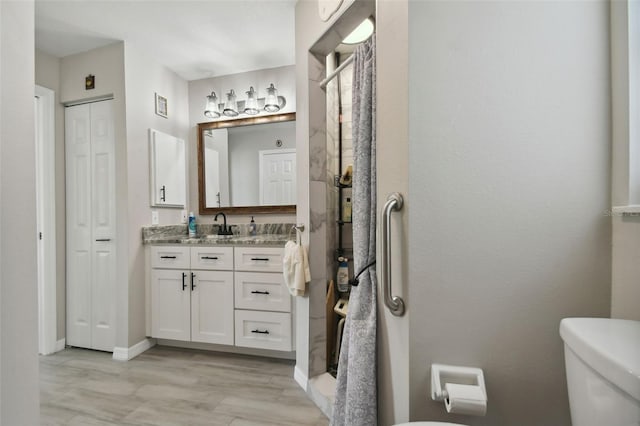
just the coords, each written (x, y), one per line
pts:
(196, 39)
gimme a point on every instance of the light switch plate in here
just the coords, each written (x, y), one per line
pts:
(184, 216)
(154, 217)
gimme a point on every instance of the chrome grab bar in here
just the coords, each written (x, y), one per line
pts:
(394, 303)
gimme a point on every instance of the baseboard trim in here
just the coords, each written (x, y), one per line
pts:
(322, 391)
(126, 354)
(300, 378)
(60, 344)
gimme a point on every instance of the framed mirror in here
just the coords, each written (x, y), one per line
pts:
(248, 165)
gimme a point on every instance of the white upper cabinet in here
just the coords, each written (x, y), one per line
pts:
(168, 171)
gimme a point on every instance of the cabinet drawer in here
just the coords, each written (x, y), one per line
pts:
(259, 259)
(214, 258)
(263, 330)
(174, 257)
(263, 291)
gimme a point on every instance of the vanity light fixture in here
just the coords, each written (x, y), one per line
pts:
(211, 109)
(231, 106)
(271, 103)
(252, 106)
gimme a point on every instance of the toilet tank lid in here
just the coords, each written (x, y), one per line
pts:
(609, 346)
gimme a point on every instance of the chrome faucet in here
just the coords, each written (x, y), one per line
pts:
(223, 230)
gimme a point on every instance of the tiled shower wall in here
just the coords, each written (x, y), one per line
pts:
(332, 102)
(345, 80)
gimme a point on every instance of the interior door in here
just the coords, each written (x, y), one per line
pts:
(103, 214)
(277, 177)
(90, 175)
(79, 224)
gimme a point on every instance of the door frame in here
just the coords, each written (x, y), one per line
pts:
(46, 218)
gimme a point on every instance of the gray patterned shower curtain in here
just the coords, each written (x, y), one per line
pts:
(356, 388)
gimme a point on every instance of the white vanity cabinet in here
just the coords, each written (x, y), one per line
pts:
(192, 293)
(262, 301)
(223, 295)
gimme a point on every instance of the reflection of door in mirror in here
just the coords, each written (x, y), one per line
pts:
(216, 158)
(245, 144)
(277, 177)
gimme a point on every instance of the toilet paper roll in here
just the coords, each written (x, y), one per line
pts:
(465, 399)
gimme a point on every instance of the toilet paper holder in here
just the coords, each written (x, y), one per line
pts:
(443, 375)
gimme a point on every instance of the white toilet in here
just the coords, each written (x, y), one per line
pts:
(602, 358)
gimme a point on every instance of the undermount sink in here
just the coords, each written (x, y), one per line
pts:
(218, 237)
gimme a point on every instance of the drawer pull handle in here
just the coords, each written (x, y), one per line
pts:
(260, 331)
(209, 257)
(167, 257)
(259, 292)
(103, 239)
(264, 259)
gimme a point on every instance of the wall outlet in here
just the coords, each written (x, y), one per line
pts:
(183, 214)
(154, 217)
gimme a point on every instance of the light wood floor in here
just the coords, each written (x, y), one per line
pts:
(168, 386)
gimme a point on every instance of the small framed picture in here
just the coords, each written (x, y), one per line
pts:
(161, 106)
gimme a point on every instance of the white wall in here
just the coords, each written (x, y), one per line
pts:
(19, 387)
(143, 78)
(509, 150)
(392, 145)
(283, 79)
(47, 71)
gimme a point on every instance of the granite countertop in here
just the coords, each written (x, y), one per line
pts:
(267, 235)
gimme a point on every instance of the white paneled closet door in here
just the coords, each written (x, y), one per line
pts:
(90, 168)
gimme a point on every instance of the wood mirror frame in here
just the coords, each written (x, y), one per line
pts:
(204, 210)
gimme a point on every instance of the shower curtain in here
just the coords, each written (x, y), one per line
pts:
(356, 388)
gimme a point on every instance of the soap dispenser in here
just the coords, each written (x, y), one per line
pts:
(252, 227)
(192, 224)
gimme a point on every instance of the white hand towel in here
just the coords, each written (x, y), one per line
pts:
(295, 268)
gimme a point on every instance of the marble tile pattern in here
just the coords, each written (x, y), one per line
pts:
(268, 234)
(171, 386)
